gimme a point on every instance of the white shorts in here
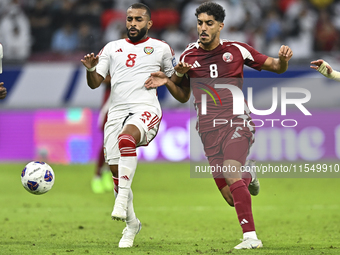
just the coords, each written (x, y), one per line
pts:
(147, 122)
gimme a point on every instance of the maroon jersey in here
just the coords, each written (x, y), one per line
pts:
(223, 65)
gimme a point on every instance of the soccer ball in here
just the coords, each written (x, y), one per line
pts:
(37, 177)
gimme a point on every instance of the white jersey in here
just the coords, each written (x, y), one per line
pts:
(130, 65)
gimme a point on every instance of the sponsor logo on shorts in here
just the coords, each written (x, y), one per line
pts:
(104, 152)
(236, 134)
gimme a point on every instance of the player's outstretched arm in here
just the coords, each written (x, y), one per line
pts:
(181, 94)
(93, 78)
(280, 64)
(3, 91)
(325, 69)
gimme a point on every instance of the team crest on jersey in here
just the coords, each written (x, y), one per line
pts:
(148, 50)
(227, 57)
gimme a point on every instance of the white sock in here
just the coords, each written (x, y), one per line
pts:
(251, 234)
(126, 170)
(130, 215)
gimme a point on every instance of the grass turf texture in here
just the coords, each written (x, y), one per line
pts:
(179, 215)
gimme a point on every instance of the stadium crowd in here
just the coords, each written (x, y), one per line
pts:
(66, 29)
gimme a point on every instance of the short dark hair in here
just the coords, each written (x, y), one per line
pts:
(212, 9)
(141, 6)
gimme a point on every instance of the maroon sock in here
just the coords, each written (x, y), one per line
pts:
(242, 203)
(246, 177)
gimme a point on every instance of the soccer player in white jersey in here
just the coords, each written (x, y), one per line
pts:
(135, 113)
(325, 69)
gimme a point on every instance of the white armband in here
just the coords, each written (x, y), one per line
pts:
(179, 74)
(334, 75)
(91, 69)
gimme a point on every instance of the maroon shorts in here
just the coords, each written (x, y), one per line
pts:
(226, 143)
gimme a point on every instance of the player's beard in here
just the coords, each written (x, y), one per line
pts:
(207, 43)
(140, 35)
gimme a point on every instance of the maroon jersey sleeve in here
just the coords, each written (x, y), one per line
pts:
(255, 59)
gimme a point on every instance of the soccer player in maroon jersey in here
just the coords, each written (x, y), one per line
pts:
(217, 60)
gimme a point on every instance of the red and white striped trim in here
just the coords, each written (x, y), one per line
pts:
(127, 152)
(155, 120)
(129, 148)
(127, 137)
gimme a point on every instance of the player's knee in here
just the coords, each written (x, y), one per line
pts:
(127, 145)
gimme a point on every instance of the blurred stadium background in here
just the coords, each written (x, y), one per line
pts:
(50, 114)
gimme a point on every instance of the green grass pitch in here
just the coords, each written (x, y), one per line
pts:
(180, 215)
